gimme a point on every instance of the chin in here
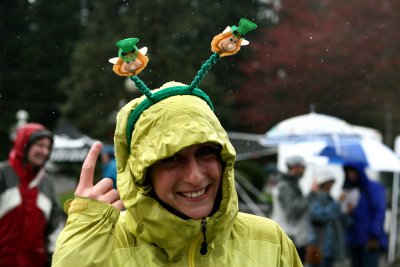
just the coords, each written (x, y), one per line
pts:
(198, 217)
(198, 214)
(38, 163)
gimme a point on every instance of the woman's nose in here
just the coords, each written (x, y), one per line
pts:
(193, 173)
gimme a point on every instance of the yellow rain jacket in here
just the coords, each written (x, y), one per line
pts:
(146, 234)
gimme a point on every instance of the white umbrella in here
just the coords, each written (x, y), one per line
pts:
(313, 126)
(341, 149)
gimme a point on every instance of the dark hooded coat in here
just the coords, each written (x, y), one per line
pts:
(367, 218)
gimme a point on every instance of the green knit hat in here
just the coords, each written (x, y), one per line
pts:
(245, 26)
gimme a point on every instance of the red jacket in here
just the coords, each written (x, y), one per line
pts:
(29, 211)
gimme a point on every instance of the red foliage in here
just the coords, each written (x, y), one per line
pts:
(340, 55)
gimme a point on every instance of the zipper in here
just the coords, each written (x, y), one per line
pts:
(203, 249)
(192, 251)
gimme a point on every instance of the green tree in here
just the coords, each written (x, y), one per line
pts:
(36, 40)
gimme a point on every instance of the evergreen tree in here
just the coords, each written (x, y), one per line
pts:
(36, 38)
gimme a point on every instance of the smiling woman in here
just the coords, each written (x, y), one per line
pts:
(176, 183)
(175, 167)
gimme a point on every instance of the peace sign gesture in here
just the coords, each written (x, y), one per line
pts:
(102, 191)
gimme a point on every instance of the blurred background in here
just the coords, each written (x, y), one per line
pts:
(339, 58)
(342, 57)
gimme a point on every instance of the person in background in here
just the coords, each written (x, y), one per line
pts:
(30, 216)
(273, 178)
(290, 206)
(327, 229)
(365, 236)
(109, 165)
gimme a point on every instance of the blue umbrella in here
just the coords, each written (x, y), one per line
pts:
(369, 152)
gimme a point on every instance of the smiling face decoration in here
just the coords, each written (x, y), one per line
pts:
(231, 39)
(131, 60)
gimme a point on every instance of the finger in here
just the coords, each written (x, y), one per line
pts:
(88, 166)
(110, 197)
(96, 191)
(118, 204)
(103, 186)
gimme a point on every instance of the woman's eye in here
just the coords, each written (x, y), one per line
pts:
(231, 39)
(174, 158)
(208, 151)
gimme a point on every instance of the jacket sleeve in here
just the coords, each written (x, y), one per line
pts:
(294, 204)
(54, 226)
(289, 255)
(87, 239)
(377, 202)
(55, 221)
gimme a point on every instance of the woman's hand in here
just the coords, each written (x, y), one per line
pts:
(102, 191)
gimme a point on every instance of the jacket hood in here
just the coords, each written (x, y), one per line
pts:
(17, 157)
(22, 139)
(362, 176)
(162, 130)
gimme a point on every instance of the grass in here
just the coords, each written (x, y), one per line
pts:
(65, 196)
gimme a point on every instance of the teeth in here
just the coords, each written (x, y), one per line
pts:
(194, 194)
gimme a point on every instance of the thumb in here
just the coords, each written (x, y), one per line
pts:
(88, 166)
